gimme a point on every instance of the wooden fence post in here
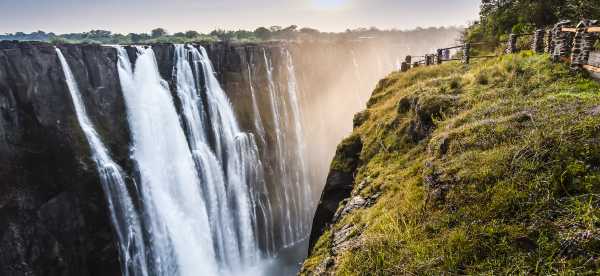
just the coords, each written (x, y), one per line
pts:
(538, 41)
(408, 60)
(583, 44)
(562, 41)
(440, 56)
(511, 46)
(466, 58)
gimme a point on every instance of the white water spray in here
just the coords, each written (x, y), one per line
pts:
(175, 212)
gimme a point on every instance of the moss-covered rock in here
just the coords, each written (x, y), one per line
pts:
(491, 168)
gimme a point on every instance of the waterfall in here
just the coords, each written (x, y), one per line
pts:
(258, 124)
(209, 168)
(125, 220)
(302, 177)
(176, 216)
(294, 189)
(263, 202)
(232, 170)
(289, 206)
(205, 207)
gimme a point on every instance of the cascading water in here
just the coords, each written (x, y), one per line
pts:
(283, 196)
(232, 170)
(176, 216)
(262, 200)
(206, 208)
(294, 193)
(302, 177)
(123, 214)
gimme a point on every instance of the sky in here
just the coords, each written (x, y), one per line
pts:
(125, 16)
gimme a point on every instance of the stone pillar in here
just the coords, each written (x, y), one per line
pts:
(404, 66)
(538, 41)
(440, 56)
(428, 60)
(562, 42)
(583, 44)
(511, 46)
(549, 42)
(466, 58)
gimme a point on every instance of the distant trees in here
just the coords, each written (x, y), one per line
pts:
(191, 34)
(263, 33)
(158, 32)
(500, 17)
(160, 35)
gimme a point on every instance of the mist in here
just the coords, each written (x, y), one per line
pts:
(337, 79)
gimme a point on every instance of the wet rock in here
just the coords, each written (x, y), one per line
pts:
(353, 204)
(53, 214)
(373, 198)
(338, 187)
(342, 239)
(323, 268)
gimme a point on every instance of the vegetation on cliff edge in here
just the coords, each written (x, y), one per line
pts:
(492, 167)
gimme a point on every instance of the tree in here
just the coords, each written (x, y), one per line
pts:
(275, 29)
(501, 17)
(100, 33)
(135, 38)
(191, 34)
(158, 32)
(263, 33)
(310, 31)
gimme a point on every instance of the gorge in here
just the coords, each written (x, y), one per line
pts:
(173, 159)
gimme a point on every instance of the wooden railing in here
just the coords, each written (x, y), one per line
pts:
(563, 42)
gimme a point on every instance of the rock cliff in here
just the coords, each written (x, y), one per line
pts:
(488, 168)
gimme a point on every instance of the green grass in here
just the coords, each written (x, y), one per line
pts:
(491, 168)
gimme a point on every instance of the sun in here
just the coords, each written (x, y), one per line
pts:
(329, 4)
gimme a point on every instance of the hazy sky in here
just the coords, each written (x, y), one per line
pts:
(125, 16)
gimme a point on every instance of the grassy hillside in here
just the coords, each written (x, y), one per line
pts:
(491, 167)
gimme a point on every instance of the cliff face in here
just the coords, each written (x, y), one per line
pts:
(52, 209)
(490, 168)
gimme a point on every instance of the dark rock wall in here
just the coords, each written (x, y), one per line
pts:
(53, 219)
(338, 187)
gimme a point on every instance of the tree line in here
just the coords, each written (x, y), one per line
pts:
(498, 18)
(261, 34)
